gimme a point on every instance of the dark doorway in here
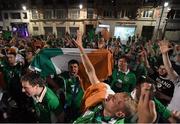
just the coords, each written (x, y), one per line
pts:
(89, 28)
(147, 32)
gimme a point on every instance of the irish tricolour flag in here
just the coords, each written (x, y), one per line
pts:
(51, 61)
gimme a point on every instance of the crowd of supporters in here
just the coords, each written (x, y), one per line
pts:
(134, 63)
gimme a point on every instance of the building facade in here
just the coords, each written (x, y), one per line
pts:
(57, 17)
(172, 22)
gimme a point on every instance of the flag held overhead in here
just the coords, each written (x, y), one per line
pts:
(51, 61)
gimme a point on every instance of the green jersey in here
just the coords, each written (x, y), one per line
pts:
(73, 90)
(73, 96)
(49, 104)
(123, 82)
(94, 115)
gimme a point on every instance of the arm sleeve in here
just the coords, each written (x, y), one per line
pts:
(162, 110)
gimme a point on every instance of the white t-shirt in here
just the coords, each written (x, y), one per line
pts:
(175, 101)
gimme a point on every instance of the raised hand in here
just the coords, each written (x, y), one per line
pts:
(176, 115)
(78, 40)
(90, 71)
(164, 46)
(146, 107)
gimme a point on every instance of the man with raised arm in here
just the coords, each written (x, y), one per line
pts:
(174, 104)
(100, 103)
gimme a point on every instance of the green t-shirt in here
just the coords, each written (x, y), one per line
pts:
(94, 115)
(50, 103)
(122, 82)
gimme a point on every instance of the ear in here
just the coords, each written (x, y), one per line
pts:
(36, 86)
(120, 114)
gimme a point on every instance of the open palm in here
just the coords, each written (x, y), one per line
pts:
(164, 46)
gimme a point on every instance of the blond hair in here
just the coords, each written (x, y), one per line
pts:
(130, 105)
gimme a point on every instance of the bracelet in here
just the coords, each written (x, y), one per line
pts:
(81, 54)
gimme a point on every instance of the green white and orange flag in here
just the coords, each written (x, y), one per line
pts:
(51, 61)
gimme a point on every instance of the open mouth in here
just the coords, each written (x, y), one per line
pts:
(27, 94)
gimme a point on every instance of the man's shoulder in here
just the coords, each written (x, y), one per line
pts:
(65, 74)
(176, 82)
(4, 63)
(131, 73)
(50, 95)
(51, 99)
(115, 69)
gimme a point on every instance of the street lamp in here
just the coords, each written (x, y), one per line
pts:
(80, 6)
(165, 5)
(24, 7)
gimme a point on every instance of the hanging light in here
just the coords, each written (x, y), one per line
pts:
(24, 7)
(80, 6)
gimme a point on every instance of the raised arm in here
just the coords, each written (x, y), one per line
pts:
(164, 48)
(146, 110)
(86, 62)
(145, 58)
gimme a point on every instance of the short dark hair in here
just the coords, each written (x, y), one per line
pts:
(33, 79)
(124, 57)
(73, 61)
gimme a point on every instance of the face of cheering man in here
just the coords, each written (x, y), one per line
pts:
(122, 64)
(73, 67)
(11, 59)
(29, 56)
(32, 84)
(28, 89)
(162, 71)
(118, 105)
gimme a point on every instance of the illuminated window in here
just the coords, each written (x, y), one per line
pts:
(148, 14)
(34, 14)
